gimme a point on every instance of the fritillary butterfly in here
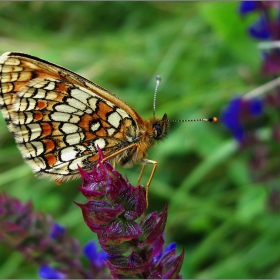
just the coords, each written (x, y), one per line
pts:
(58, 119)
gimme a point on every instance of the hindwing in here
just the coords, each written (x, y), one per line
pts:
(58, 117)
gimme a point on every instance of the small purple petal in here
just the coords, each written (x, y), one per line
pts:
(133, 261)
(57, 232)
(90, 250)
(173, 267)
(247, 7)
(255, 107)
(260, 29)
(230, 118)
(95, 257)
(97, 214)
(119, 231)
(101, 155)
(157, 249)
(170, 247)
(46, 272)
(116, 249)
(159, 222)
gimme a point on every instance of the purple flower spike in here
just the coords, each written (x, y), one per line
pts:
(46, 243)
(134, 248)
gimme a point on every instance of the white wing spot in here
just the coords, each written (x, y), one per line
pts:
(111, 131)
(35, 129)
(51, 95)
(39, 83)
(11, 61)
(76, 104)
(75, 162)
(73, 139)
(100, 142)
(31, 104)
(92, 103)
(60, 117)
(34, 148)
(68, 128)
(7, 87)
(75, 119)
(65, 108)
(41, 93)
(114, 119)
(26, 92)
(20, 105)
(122, 113)
(95, 126)
(80, 95)
(9, 77)
(68, 153)
(50, 86)
(8, 68)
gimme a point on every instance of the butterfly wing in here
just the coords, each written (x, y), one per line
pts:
(58, 117)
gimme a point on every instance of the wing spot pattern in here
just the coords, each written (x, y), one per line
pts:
(58, 118)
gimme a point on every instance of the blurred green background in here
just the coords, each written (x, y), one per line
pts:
(204, 56)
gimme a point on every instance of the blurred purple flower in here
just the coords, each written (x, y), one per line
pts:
(97, 258)
(238, 112)
(248, 6)
(47, 272)
(44, 242)
(57, 232)
(266, 27)
(231, 118)
(260, 29)
(255, 107)
(263, 159)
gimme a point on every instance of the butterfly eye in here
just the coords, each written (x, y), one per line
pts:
(157, 131)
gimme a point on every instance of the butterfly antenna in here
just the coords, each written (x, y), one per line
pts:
(158, 80)
(214, 119)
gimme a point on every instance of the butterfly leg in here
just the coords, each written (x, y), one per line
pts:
(145, 162)
(119, 152)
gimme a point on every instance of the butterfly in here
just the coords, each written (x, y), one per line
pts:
(59, 118)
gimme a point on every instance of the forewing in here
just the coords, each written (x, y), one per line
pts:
(58, 118)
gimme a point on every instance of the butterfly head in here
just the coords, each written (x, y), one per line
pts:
(160, 128)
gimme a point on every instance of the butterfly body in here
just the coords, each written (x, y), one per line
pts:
(59, 118)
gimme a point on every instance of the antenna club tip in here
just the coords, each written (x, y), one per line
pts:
(214, 119)
(158, 78)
